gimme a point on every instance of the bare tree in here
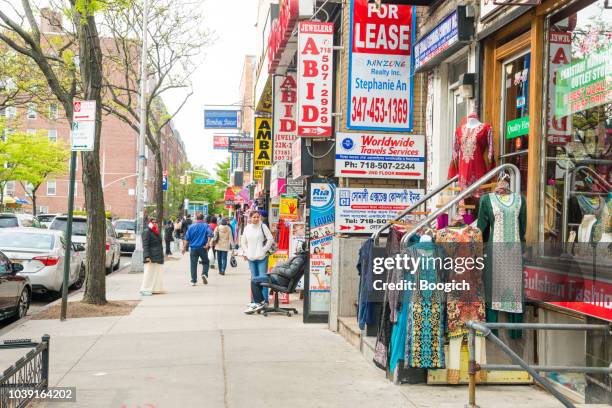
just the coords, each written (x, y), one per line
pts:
(177, 40)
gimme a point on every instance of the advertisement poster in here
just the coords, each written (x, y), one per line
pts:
(380, 67)
(297, 238)
(366, 210)
(220, 142)
(263, 147)
(322, 198)
(374, 155)
(558, 131)
(315, 78)
(288, 207)
(285, 105)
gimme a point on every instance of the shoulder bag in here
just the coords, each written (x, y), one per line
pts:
(274, 246)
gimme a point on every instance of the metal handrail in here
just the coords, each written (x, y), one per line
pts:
(425, 198)
(485, 329)
(515, 186)
(593, 173)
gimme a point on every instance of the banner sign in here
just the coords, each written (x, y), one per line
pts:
(240, 144)
(322, 198)
(366, 210)
(374, 155)
(380, 68)
(220, 142)
(559, 55)
(222, 119)
(263, 147)
(585, 83)
(83, 132)
(285, 128)
(315, 78)
(282, 28)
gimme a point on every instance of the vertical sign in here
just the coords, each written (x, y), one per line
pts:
(315, 73)
(165, 180)
(285, 128)
(263, 147)
(83, 134)
(380, 67)
(322, 220)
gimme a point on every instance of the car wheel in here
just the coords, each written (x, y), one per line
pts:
(24, 304)
(79, 282)
(116, 266)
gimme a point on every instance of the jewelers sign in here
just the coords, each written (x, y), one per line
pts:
(380, 67)
(263, 147)
(315, 73)
(366, 210)
(375, 155)
(285, 129)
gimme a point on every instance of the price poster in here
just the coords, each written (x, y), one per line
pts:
(380, 67)
(322, 199)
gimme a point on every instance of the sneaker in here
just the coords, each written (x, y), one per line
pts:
(250, 308)
(194, 284)
(145, 293)
(204, 280)
(258, 307)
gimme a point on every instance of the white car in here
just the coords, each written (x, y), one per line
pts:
(126, 233)
(45, 219)
(41, 253)
(79, 236)
(12, 220)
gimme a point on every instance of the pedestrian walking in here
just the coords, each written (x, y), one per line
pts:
(256, 242)
(178, 239)
(211, 220)
(223, 240)
(153, 255)
(169, 236)
(185, 224)
(197, 241)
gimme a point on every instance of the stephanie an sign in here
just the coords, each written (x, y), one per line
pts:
(315, 73)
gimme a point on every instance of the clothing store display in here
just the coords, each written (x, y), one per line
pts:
(396, 274)
(502, 220)
(585, 230)
(606, 221)
(472, 152)
(365, 265)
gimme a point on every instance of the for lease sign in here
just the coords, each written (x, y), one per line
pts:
(380, 70)
(374, 155)
(315, 73)
(285, 128)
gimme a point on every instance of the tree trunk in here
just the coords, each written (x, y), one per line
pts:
(33, 196)
(91, 73)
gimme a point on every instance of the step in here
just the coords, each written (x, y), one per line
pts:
(349, 329)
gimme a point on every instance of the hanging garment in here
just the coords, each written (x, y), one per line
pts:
(366, 313)
(502, 220)
(462, 306)
(425, 329)
(606, 220)
(469, 150)
(397, 346)
(396, 274)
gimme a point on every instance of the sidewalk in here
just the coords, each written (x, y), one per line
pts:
(194, 347)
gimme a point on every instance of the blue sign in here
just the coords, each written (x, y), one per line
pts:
(165, 183)
(198, 209)
(222, 119)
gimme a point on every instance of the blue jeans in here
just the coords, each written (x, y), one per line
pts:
(222, 261)
(257, 289)
(194, 255)
(259, 269)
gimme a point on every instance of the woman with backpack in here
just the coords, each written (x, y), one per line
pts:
(223, 241)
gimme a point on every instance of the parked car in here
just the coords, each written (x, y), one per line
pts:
(15, 289)
(12, 220)
(126, 233)
(45, 219)
(79, 236)
(41, 254)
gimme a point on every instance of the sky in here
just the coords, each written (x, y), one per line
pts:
(217, 81)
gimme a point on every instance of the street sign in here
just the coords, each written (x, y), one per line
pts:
(83, 132)
(200, 180)
(222, 119)
(84, 111)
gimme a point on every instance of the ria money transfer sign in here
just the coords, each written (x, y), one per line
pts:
(263, 147)
(366, 210)
(380, 67)
(374, 155)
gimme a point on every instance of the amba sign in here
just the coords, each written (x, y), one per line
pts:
(263, 147)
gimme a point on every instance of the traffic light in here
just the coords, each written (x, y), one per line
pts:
(182, 179)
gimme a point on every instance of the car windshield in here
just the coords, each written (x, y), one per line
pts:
(8, 221)
(46, 218)
(79, 227)
(26, 240)
(125, 225)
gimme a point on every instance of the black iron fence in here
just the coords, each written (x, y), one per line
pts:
(29, 374)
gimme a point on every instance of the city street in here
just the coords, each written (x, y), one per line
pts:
(194, 347)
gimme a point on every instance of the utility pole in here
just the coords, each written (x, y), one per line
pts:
(137, 261)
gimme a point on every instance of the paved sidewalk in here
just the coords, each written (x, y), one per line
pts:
(194, 347)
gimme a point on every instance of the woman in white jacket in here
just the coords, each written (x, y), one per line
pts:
(256, 242)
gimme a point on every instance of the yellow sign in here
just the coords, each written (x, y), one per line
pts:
(278, 257)
(263, 147)
(288, 208)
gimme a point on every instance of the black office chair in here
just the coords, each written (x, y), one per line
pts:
(284, 278)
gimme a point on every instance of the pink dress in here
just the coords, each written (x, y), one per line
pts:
(468, 154)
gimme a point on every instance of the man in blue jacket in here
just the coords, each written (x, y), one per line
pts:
(198, 239)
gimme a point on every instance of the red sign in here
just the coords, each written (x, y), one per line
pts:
(282, 28)
(315, 78)
(387, 31)
(220, 142)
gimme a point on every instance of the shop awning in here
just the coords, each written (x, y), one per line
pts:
(8, 200)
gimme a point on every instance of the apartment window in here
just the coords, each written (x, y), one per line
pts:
(6, 133)
(10, 112)
(31, 113)
(51, 187)
(43, 209)
(53, 111)
(10, 188)
(52, 134)
(31, 131)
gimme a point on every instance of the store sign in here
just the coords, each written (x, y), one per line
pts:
(366, 210)
(315, 78)
(282, 29)
(322, 200)
(453, 32)
(558, 131)
(240, 144)
(294, 187)
(288, 207)
(517, 127)
(220, 142)
(285, 105)
(488, 8)
(375, 155)
(221, 119)
(380, 68)
(296, 158)
(585, 83)
(83, 132)
(263, 147)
